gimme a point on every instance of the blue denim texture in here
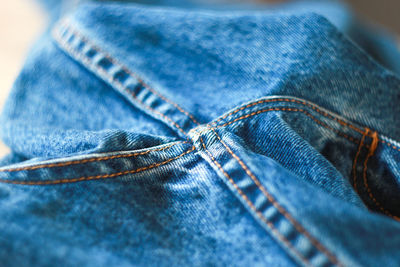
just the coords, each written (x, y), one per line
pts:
(167, 136)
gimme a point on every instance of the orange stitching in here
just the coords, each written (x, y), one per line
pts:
(370, 194)
(130, 73)
(365, 133)
(311, 106)
(137, 99)
(96, 177)
(355, 163)
(63, 164)
(285, 109)
(259, 214)
(134, 75)
(295, 110)
(104, 72)
(154, 91)
(298, 226)
(294, 101)
(389, 145)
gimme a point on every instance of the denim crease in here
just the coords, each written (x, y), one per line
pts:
(161, 135)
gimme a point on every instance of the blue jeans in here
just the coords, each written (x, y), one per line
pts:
(169, 136)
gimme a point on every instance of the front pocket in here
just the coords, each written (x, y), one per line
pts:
(348, 160)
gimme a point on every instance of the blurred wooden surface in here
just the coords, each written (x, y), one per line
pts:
(383, 12)
(21, 21)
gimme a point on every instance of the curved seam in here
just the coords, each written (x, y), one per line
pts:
(286, 109)
(294, 101)
(295, 110)
(370, 194)
(343, 123)
(287, 215)
(94, 159)
(95, 177)
(252, 206)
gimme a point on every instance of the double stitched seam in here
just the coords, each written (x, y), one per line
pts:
(191, 117)
(127, 71)
(112, 79)
(325, 114)
(286, 214)
(293, 101)
(293, 110)
(252, 206)
(96, 177)
(68, 163)
(364, 173)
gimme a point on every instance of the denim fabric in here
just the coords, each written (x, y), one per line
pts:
(169, 136)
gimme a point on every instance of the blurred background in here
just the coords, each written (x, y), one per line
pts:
(21, 21)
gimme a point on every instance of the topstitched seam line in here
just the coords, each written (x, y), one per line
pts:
(294, 101)
(158, 94)
(127, 71)
(130, 73)
(94, 159)
(251, 205)
(94, 177)
(389, 145)
(112, 80)
(343, 123)
(295, 110)
(287, 215)
(284, 109)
